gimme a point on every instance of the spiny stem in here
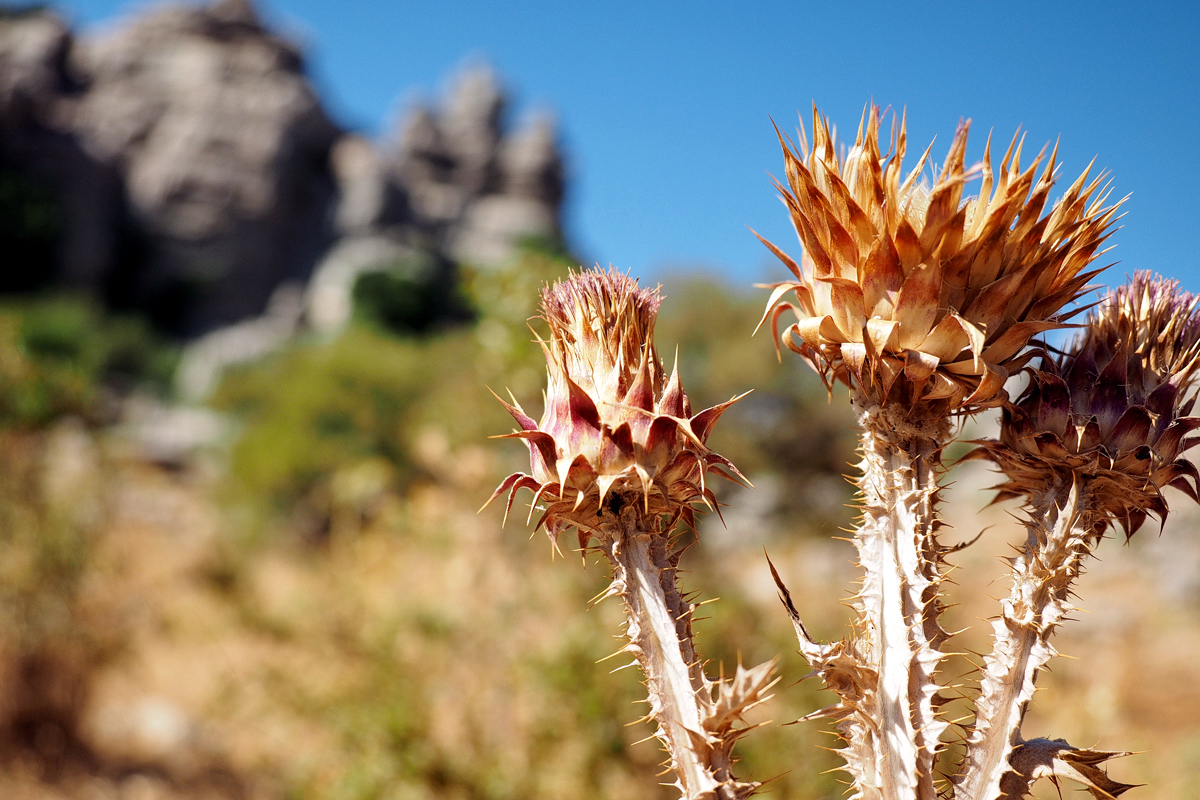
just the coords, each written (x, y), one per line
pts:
(899, 605)
(660, 637)
(1060, 533)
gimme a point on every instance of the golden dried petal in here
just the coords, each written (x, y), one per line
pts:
(950, 337)
(1000, 267)
(816, 330)
(917, 304)
(848, 309)
(881, 277)
(880, 335)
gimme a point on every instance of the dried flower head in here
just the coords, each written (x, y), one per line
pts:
(910, 293)
(1114, 408)
(612, 432)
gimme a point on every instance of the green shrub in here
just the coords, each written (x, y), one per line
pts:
(313, 415)
(61, 356)
(318, 407)
(409, 297)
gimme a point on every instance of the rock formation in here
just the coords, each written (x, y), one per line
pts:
(205, 150)
(451, 186)
(193, 171)
(43, 163)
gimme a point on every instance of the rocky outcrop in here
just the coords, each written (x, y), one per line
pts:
(452, 187)
(75, 232)
(204, 149)
(194, 170)
(477, 188)
(224, 147)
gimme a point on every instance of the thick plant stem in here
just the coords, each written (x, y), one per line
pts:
(696, 729)
(1061, 533)
(899, 605)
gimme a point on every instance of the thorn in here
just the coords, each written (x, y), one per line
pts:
(613, 655)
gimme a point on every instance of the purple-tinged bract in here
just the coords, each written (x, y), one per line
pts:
(1114, 408)
(614, 430)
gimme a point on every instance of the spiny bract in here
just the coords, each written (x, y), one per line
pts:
(611, 428)
(1114, 407)
(912, 294)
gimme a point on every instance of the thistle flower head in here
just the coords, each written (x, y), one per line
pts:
(908, 292)
(1115, 407)
(614, 430)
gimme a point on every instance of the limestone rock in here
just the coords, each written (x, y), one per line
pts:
(223, 145)
(491, 225)
(454, 187)
(196, 171)
(206, 358)
(33, 47)
(329, 303)
(367, 197)
(188, 151)
(37, 145)
(474, 187)
(530, 164)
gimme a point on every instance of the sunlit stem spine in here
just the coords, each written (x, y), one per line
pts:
(1061, 533)
(898, 605)
(659, 628)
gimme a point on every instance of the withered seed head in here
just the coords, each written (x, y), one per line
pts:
(909, 293)
(1114, 407)
(612, 428)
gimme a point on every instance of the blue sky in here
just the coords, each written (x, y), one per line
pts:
(665, 108)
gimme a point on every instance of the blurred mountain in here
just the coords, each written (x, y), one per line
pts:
(182, 164)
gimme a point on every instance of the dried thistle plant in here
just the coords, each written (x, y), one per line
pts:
(924, 303)
(1093, 441)
(911, 294)
(619, 457)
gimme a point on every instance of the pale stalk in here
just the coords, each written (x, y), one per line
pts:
(696, 730)
(1061, 533)
(899, 605)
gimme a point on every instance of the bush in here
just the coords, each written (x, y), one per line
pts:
(409, 297)
(318, 408)
(62, 356)
(325, 415)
